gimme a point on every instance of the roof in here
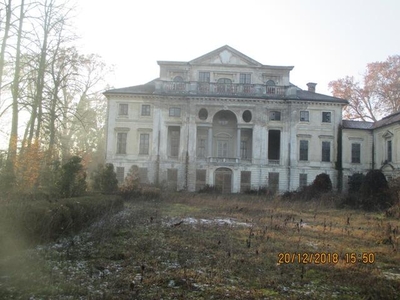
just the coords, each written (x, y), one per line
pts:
(311, 96)
(388, 120)
(147, 88)
(351, 124)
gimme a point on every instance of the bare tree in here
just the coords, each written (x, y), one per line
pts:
(376, 96)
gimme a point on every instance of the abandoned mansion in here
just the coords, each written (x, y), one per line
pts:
(226, 120)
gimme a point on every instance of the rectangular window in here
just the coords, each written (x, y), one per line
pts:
(174, 137)
(303, 150)
(144, 143)
(326, 151)
(201, 147)
(274, 145)
(389, 151)
(172, 179)
(174, 111)
(200, 179)
(275, 115)
(243, 150)
(273, 182)
(120, 174)
(326, 117)
(222, 148)
(143, 175)
(245, 78)
(304, 116)
(302, 180)
(121, 142)
(245, 181)
(123, 109)
(355, 153)
(204, 76)
(146, 110)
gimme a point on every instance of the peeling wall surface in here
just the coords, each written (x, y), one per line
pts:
(226, 120)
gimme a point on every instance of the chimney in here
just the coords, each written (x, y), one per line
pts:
(311, 87)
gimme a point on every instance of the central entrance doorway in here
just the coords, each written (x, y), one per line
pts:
(223, 180)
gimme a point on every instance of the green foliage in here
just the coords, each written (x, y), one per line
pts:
(105, 179)
(73, 178)
(374, 191)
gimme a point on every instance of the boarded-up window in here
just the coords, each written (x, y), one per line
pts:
(172, 179)
(200, 179)
(120, 174)
(273, 182)
(143, 175)
(245, 180)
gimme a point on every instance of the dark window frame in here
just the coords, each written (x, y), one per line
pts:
(144, 143)
(326, 151)
(355, 153)
(326, 117)
(303, 151)
(304, 116)
(122, 138)
(146, 110)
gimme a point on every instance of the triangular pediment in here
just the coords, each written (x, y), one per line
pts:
(225, 55)
(387, 135)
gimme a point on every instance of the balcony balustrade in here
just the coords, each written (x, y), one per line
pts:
(222, 89)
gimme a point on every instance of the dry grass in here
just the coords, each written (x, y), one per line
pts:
(191, 246)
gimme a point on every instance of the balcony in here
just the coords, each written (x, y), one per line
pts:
(221, 89)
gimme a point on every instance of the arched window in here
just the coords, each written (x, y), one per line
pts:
(178, 79)
(178, 84)
(270, 87)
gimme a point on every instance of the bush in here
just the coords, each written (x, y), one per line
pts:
(322, 183)
(209, 189)
(105, 179)
(374, 191)
(40, 221)
(355, 182)
(131, 186)
(73, 178)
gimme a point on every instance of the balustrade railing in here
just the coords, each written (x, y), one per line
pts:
(228, 89)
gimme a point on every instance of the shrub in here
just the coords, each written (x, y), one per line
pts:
(150, 192)
(73, 178)
(131, 186)
(322, 183)
(374, 191)
(105, 179)
(41, 220)
(210, 189)
(355, 182)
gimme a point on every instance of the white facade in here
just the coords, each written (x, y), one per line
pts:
(226, 120)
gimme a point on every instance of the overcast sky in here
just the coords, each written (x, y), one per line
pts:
(323, 40)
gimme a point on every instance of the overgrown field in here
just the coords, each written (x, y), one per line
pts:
(192, 246)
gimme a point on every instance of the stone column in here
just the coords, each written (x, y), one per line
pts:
(210, 143)
(238, 140)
